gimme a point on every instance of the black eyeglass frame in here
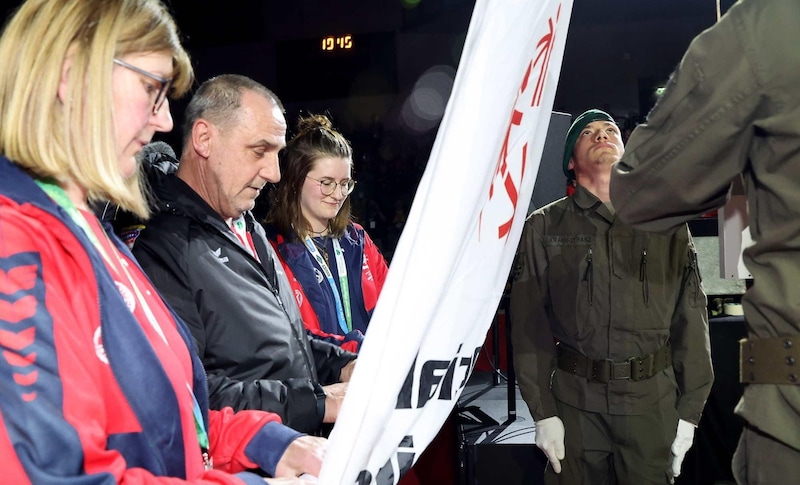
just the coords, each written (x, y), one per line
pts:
(162, 91)
(347, 187)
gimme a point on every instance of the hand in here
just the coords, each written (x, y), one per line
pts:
(304, 455)
(550, 439)
(682, 443)
(334, 396)
(347, 371)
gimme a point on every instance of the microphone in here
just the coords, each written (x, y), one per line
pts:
(153, 151)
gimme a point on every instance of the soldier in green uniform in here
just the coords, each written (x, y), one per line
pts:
(609, 327)
(733, 107)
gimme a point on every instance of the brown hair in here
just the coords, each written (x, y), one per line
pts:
(315, 139)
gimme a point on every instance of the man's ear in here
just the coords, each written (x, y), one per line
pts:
(571, 164)
(202, 132)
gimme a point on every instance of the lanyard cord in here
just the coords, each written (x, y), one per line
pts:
(240, 230)
(343, 311)
(60, 197)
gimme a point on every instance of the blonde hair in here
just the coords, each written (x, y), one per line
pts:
(74, 138)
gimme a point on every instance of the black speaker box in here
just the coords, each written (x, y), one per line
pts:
(495, 446)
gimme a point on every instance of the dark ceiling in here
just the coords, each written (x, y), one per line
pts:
(206, 22)
(617, 50)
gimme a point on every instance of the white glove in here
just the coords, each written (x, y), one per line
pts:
(682, 443)
(550, 439)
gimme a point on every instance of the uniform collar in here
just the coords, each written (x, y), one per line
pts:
(587, 201)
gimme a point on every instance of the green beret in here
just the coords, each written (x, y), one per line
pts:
(576, 128)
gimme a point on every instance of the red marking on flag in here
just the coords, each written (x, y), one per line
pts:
(544, 50)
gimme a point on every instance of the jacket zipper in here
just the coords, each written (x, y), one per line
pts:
(643, 278)
(588, 277)
(695, 274)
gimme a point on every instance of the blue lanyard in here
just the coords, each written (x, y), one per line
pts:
(343, 312)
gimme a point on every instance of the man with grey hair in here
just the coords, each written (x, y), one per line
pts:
(210, 259)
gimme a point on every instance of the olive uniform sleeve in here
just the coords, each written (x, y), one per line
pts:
(689, 339)
(681, 162)
(532, 339)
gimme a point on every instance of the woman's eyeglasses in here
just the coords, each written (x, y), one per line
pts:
(327, 186)
(161, 93)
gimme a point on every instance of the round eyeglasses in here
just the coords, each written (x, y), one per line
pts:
(327, 186)
(163, 84)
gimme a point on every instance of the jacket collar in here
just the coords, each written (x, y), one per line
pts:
(19, 186)
(587, 201)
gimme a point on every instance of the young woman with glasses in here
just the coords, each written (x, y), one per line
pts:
(335, 268)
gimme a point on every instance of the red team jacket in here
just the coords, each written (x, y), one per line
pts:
(84, 394)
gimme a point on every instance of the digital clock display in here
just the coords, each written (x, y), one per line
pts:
(336, 66)
(337, 42)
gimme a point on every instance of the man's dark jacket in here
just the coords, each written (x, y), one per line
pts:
(239, 309)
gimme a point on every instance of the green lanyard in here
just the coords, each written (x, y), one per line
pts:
(62, 199)
(342, 301)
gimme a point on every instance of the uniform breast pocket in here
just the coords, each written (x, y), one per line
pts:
(648, 265)
(571, 268)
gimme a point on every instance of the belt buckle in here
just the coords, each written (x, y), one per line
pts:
(621, 370)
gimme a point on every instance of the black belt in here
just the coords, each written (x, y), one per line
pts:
(605, 370)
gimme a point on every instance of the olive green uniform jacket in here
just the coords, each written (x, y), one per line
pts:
(733, 106)
(608, 291)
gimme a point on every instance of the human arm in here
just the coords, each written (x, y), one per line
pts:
(534, 347)
(247, 439)
(347, 371)
(334, 397)
(532, 338)
(680, 163)
(330, 360)
(691, 354)
(689, 338)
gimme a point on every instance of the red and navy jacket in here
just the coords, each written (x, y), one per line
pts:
(366, 273)
(83, 396)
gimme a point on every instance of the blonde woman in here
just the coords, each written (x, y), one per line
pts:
(98, 378)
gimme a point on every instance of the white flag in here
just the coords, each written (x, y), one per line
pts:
(455, 254)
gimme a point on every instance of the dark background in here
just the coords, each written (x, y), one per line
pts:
(388, 95)
(389, 92)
